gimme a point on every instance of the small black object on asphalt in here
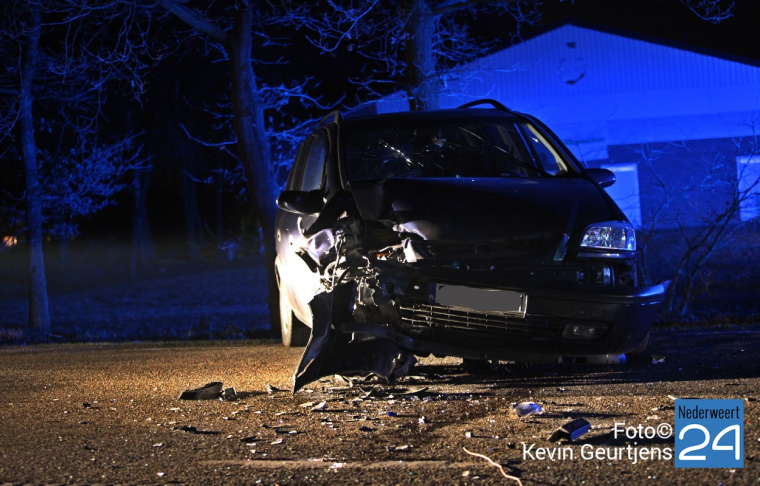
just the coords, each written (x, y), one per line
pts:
(209, 391)
(571, 430)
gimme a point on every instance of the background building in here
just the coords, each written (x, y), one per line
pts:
(676, 125)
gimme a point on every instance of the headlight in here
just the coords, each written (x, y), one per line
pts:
(610, 235)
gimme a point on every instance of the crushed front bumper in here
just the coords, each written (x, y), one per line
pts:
(339, 344)
(621, 318)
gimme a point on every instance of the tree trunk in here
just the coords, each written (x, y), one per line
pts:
(39, 316)
(422, 84)
(253, 145)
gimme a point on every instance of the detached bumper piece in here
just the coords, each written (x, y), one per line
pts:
(332, 352)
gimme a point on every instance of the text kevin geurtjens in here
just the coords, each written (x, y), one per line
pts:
(589, 452)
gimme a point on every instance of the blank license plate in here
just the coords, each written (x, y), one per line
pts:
(481, 300)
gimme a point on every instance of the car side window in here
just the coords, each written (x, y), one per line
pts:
(550, 160)
(314, 165)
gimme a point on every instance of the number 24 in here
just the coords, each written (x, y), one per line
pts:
(683, 456)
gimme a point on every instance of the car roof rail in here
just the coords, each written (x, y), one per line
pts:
(485, 101)
(333, 116)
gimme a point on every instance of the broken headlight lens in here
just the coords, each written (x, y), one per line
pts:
(610, 235)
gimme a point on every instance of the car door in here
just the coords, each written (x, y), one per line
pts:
(297, 279)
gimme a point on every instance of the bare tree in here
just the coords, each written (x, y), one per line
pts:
(700, 230)
(411, 44)
(61, 54)
(714, 11)
(229, 32)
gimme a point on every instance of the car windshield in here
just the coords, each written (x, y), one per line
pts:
(440, 146)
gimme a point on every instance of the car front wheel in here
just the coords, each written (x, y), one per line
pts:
(294, 332)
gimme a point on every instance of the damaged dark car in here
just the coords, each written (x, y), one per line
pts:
(470, 232)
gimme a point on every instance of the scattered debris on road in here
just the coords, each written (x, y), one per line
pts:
(526, 409)
(571, 430)
(209, 391)
(273, 389)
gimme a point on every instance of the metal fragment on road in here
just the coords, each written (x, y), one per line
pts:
(526, 409)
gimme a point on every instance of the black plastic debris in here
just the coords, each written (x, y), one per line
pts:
(366, 429)
(209, 391)
(229, 393)
(273, 389)
(571, 430)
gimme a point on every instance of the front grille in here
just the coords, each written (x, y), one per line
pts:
(457, 318)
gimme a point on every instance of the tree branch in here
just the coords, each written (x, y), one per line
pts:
(195, 20)
(448, 6)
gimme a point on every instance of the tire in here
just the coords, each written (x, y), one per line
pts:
(294, 332)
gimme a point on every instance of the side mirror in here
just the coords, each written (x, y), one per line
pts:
(300, 202)
(603, 177)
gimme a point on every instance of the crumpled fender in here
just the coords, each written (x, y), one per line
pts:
(330, 351)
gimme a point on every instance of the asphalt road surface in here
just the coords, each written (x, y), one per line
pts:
(105, 414)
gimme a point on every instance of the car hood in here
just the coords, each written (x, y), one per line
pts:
(482, 209)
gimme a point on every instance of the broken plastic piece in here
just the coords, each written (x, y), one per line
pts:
(402, 448)
(526, 409)
(209, 391)
(571, 430)
(273, 389)
(657, 359)
(319, 406)
(229, 393)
